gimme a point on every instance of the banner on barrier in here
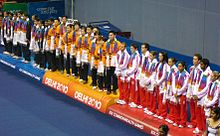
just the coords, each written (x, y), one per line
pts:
(14, 7)
(46, 10)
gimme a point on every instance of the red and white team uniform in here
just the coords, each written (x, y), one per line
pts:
(161, 89)
(131, 74)
(141, 79)
(171, 73)
(121, 66)
(200, 91)
(180, 85)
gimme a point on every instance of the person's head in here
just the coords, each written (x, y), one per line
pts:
(19, 14)
(64, 19)
(133, 48)
(215, 75)
(96, 35)
(10, 15)
(153, 55)
(144, 47)
(76, 26)
(89, 29)
(5, 14)
(163, 130)
(219, 77)
(100, 40)
(163, 57)
(95, 29)
(83, 30)
(15, 16)
(50, 21)
(215, 113)
(196, 59)
(56, 22)
(40, 23)
(25, 16)
(171, 61)
(111, 35)
(181, 66)
(204, 63)
(123, 46)
(46, 23)
(34, 17)
(69, 28)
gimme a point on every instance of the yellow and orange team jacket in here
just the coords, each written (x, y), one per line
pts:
(110, 49)
(60, 30)
(66, 41)
(51, 32)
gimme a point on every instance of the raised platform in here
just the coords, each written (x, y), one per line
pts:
(18, 65)
(148, 124)
(79, 91)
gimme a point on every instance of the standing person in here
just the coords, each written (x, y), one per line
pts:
(195, 72)
(111, 48)
(67, 41)
(52, 45)
(45, 50)
(15, 35)
(100, 63)
(121, 66)
(25, 38)
(180, 85)
(60, 30)
(150, 83)
(131, 74)
(141, 74)
(171, 73)
(160, 85)
(9, 34)
(199, 95)
(1, 31)
(39, 42)
(19, 31)
(5, 20)
(212, 97)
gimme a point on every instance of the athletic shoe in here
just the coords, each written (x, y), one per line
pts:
(139, 107)
(190, 126)
(119, 101)
(180, 126)
(196, 131)
(156, 116)
(94, 87)
(160, 117)
(174, 124)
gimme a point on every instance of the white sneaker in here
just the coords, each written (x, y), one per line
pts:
(160, 117)
(196, 131)
(139, 107)
(174, 124)
(156, 116)
(118, 101)
(123, 102)
(180, 126)
(150, 113)
(46, 69)
(34, 64)
(80, 80)
(171, 122)
(67, 75)
(145, 109)
(133, 105)
(167, 120)
(94, 87)
(190, 126)
(38, 66)
(100, 90)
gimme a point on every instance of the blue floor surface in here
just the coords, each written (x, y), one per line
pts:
(29, 109)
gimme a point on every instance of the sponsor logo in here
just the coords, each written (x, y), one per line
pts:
(152, 132)
(131, 122)
(29, 74)
(47, 10)
(88, 100)
(56, 85)
(7, 63)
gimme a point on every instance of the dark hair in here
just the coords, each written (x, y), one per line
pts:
(25, 14)
(183, 63)
(216, 110)
(146, 45)
(51, 19)
(165, 128)
(199, 56)
(165, 56)
(154, 53)
(111, 32)
(89, 26)
(64, 16)
(134, 45)
(124, 43)
(97, 33)
(77, 23)
(205, 61)
(173, 59)
(83, 28)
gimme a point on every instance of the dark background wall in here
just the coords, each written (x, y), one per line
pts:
(183, 26)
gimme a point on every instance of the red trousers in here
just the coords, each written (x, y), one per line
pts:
(142, 95)
(124, 92)
(180, 111)
(162, 107)
(171, 114)
(148, 102)
(153, 101)
(134, 93)
(200, 118)
(192, 112)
